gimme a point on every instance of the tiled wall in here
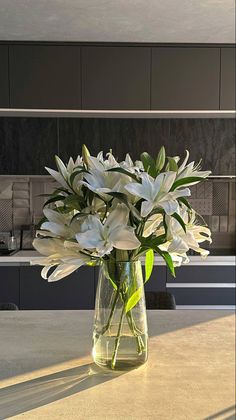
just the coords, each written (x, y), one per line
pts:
(21, 203)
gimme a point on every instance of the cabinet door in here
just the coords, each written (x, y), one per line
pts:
(73, 292)
(9, 285)
(157, 281)
(45, 77)
(115, 78)
(227, 91)
(185, 78)
(203, 285)
(4, 82)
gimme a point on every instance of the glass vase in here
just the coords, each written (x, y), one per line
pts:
(120, 334)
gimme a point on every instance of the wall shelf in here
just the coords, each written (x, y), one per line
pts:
(59, 113)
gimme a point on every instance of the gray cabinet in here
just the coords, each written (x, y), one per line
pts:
(45, 76)
(116, 78)
(9, 285)
(227, 91)
(73, 292)
(157, 281)
(185, 78)
(203, 285)
(4, 82)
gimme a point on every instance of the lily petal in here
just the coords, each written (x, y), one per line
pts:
(63, 270)
(146, 208)
(124, 238)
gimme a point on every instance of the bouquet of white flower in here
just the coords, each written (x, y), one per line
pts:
(119, 211)
(106, 211)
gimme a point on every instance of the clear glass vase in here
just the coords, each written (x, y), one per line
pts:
(120, 334)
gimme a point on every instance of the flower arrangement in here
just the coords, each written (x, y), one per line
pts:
(119, 211)
(111, 213)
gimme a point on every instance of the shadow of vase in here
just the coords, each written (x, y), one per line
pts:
(25, 396)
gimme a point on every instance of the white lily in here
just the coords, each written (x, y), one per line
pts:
(102, 164)
(152, 224)
(57, 254)
(179, 242)
(101, 181)
(130, 166)
(60, 224)
(65, 171)
(191, 170)
(156, 192)
(114, 233)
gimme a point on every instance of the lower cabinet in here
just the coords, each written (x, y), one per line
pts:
(157, 281)
(9, 285)
(203, 285)
(73, 292)
(193, 285)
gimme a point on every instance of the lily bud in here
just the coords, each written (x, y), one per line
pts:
(85, 154)
(161, 158)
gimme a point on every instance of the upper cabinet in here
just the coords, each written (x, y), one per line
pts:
(45, 77)
(227, 91)
(185, 78)
(4, 82)
(116, 78)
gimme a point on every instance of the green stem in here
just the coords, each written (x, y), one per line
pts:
(136, 333)
(117, 341)
(108, 324)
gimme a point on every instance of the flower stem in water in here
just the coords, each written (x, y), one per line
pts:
(117, 342)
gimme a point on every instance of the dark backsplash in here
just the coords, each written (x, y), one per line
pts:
(38, 139)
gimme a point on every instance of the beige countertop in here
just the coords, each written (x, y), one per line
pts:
(46, 369)
(24, 257)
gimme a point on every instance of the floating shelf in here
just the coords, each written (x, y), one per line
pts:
(11, 112)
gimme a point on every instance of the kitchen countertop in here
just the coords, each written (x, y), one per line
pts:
(24, 257)
(46, 369)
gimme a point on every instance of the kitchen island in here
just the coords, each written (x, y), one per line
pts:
(46, 369)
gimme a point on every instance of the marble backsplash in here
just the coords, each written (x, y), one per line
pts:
(21, 204)
(28, 144)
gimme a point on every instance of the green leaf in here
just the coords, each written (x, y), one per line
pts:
(110, 273)
(172, 164)
(123, 171)
(161, 158)
(92, 263)
(184, 201)
(169, 262)
(149, 164)
(134, 299)
(41, 221)
(120, 196)
(152, 241)
(54, 199)
(184, 181)
(74, 201)
(74, 174)
(180, 220)
(149, 262)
